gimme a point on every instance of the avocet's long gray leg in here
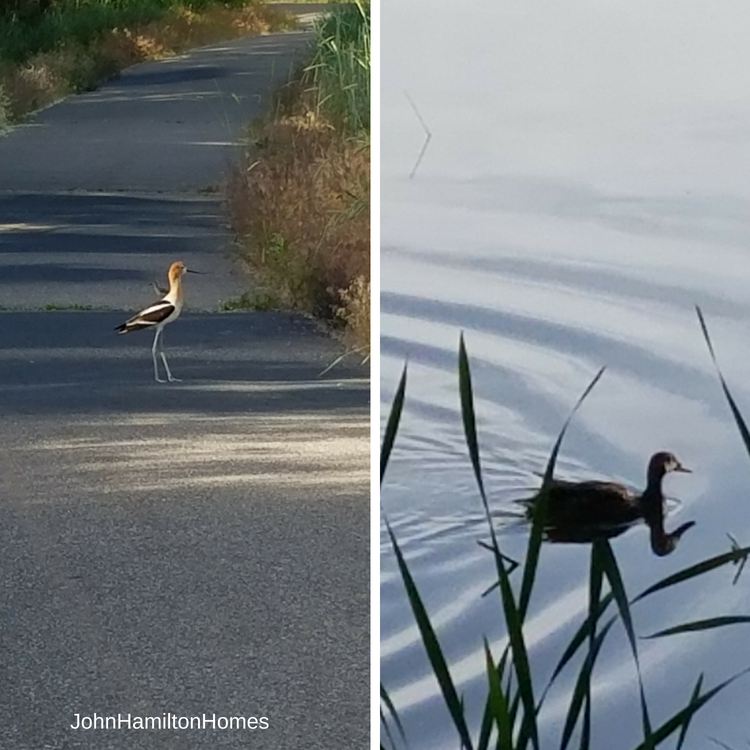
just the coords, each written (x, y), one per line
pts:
(153, 355)
(166, 366)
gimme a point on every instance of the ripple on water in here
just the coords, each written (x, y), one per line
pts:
(530, 361)
(563, 227)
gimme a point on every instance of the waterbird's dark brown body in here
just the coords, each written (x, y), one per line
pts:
(591, 503)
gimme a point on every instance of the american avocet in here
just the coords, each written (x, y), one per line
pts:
(159, 314)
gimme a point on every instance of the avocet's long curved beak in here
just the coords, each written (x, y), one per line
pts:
(190, 270)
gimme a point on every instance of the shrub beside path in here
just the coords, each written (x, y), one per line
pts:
(187, 549)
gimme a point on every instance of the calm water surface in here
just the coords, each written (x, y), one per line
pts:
(587, 183)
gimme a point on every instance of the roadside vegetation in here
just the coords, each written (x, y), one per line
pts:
(52, 48)
(512, 708)
(300, 201)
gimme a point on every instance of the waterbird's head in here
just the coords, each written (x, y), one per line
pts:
(177, 269)
(662, 463)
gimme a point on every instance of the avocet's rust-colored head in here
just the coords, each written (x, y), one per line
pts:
(176, 270)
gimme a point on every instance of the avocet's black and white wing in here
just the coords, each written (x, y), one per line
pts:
(151, 316)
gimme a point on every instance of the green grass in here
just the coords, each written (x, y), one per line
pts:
(512, 701)
(339, 74)
(72, 45)
(25, 32)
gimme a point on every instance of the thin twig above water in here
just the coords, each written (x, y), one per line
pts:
(428, 135)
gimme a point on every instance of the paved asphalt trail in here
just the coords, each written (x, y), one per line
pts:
(192, 548)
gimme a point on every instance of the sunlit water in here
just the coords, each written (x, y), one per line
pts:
(587, 183)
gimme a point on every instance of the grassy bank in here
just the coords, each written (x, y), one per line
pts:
(52, 48)
(299, 203)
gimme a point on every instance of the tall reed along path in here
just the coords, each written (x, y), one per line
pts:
(180, 550)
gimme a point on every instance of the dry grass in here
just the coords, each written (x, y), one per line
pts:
(300, 202)
(48, 76)
(355, 310)
(300, 206)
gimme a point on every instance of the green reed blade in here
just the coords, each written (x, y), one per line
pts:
(498, 703)
(582, 685)
(679, 719)
(533, 551)
(596, 580)
(388, 733)
(468, 416)
(744, 432)
(612, 571)
(740, 563)
(584, 631)
(432, 646)
(528, 731)
(540, 510)
(733, 556)
(509, 561)
(710, 624)
(693, 698)
(514, 706)
(586, 728)
(595, 599)
(550, 470)
(485, 729)
(393, 713)
(391, 427)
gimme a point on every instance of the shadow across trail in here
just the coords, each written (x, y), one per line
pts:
(65, 363)
(103, 250)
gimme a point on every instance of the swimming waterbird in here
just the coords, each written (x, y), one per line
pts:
(581, 511)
